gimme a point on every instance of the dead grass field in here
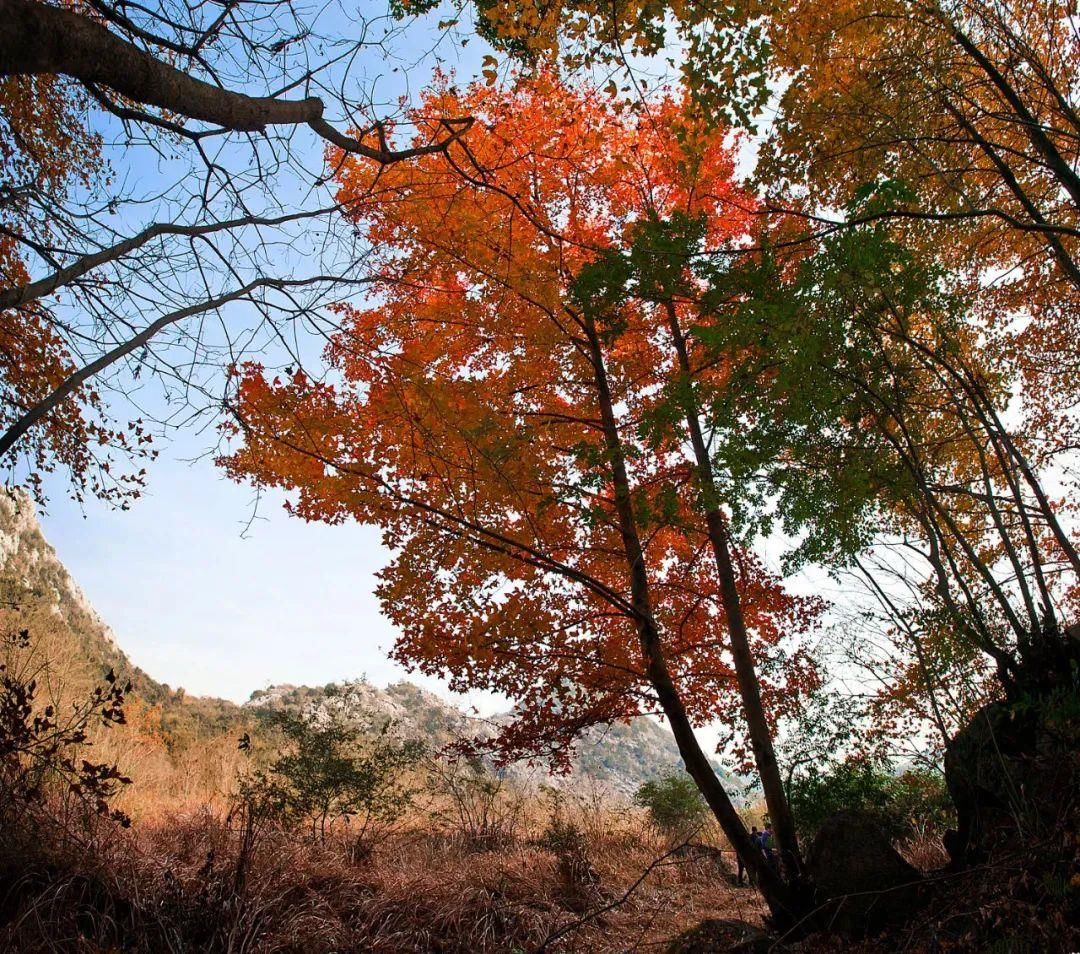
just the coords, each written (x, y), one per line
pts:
(206, 881)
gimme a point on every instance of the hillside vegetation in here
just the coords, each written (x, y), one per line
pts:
(617, 758)
(338, 818)
(457, 856)
(39, 595)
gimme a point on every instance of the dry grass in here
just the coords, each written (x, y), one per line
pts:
(188, 883)
(925, 851)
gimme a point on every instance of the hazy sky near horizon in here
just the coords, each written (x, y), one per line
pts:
(202, 597)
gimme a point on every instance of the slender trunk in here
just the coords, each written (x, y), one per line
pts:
(984, 406)
(1056, 163)
(929, 677)
(785, 902)
(1028, 473)
(749, 688)
(1064, 259)
(908, 452)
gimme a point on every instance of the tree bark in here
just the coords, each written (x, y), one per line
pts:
(1055, 162)
(37, 38)
(745, 671)
(785, 901)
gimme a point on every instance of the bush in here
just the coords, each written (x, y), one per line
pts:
(906, 805)
(674, 803)
(43, 745)
(481, 811)
(332, 771)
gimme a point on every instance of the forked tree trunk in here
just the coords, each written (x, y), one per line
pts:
(739, 640)
(787, 902)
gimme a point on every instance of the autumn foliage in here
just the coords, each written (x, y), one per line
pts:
(47, 149)
(624, 356)
(464, 417)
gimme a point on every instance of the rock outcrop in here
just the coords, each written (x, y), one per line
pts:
(616, 759)
(864, 884)
(1012, 772)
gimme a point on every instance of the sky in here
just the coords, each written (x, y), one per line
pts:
(199, 595)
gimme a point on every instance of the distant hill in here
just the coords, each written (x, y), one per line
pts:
(620, 756)
(38, 593)
(36, 586)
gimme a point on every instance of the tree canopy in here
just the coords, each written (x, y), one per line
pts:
(607, 362)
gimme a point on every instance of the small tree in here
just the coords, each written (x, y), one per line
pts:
(335, 769)
(674, 803)
(906, 804)
(41, 750)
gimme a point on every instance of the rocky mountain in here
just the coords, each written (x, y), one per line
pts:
(38, 594)
(617, 757)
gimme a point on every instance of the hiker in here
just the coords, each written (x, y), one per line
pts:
(768, 845)
(755, 840)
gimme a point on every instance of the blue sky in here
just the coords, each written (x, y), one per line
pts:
(197, 594)
(199, 601)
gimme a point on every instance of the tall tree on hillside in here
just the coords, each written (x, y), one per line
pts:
(526, 428)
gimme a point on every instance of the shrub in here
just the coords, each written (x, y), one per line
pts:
(481, 811)
(42, 745)
(906, 805)
(921, 802)
(331, 771)
(674, 803)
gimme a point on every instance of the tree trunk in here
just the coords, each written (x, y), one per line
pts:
(787, 902)
(745, 671)
(36, 38)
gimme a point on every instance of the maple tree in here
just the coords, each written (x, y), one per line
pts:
(526, 430)
(960, 121)
(968, 110)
